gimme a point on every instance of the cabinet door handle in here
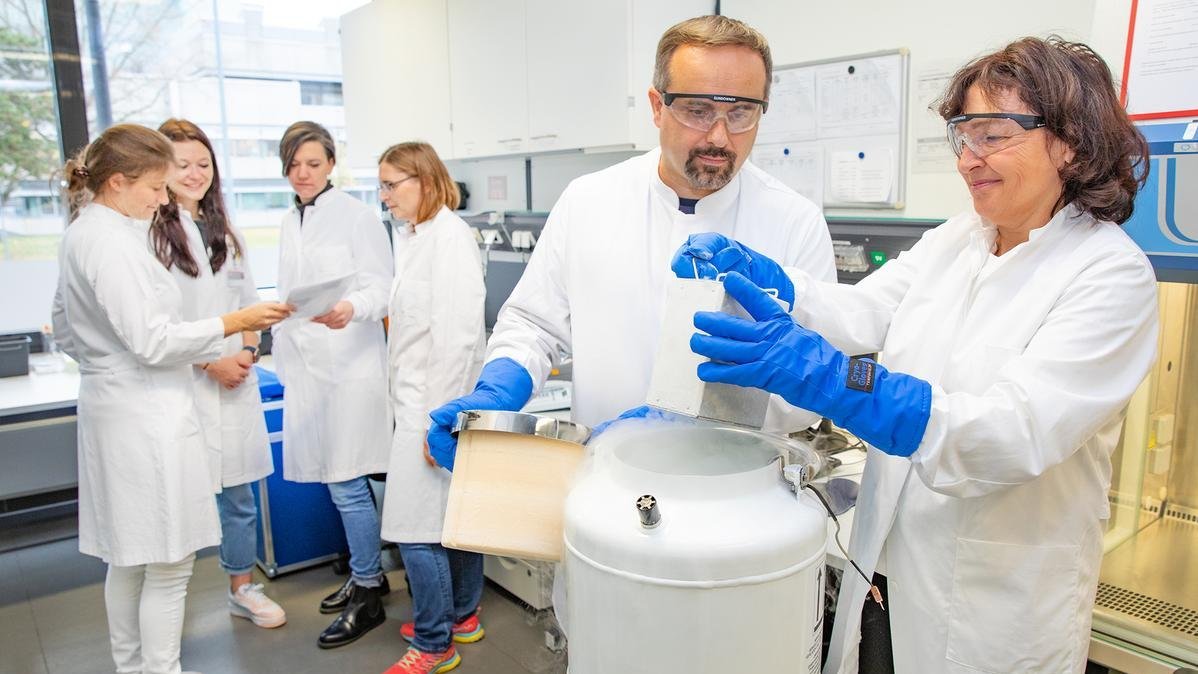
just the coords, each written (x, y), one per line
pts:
(543, 136)
(517, 139)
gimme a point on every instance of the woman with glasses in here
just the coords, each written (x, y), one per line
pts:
(436, 349)
(193, 238)
(1013, 336)
(336, 418)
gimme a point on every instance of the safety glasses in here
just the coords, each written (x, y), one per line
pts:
(389, 186)
(985, 133)
(703, 111)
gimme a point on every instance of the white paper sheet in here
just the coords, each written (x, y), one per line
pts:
(862, 177)
(799, 167)
(791, 117)
(865, 101)
(318, 298)
(1164, 58)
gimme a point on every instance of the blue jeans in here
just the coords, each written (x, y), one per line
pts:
(238, 529)
(361, 522)
(446, 588)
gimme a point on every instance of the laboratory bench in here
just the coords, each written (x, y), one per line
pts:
(37, 432)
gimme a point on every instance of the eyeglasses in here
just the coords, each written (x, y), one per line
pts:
(389, 186)
(988, 132)
(702, 111)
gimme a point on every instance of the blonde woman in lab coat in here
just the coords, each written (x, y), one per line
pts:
(336, 418)
(1013, 336)
(193, 238)
(435, 347)
(145, 497)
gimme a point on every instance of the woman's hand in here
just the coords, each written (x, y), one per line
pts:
(244, 358)
(256, 317)
(428, 457)
(229, 372)
(338, 317)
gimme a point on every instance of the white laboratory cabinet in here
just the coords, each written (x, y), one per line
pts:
(488, 82)
(542, 75)
(395, 77)
(485, 78)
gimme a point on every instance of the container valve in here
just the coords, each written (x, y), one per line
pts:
(646, 507)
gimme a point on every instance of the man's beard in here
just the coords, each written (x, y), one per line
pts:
(709, 177)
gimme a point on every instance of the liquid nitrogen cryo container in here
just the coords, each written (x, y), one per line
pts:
(687, 551)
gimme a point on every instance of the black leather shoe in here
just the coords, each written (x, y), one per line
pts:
(363, 613)
(335, 603)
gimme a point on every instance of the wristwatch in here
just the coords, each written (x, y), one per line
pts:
(253, 351)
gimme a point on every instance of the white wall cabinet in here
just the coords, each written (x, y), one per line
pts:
(489, 82)
(395, 77)
(542, 75)
(489, 78)
(578, 55)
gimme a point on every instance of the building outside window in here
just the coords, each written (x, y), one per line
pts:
(144, 61)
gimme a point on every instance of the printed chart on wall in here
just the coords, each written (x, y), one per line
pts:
(835, 131)
(1162, 60)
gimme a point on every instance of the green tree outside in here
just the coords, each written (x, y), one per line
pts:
(28, 145)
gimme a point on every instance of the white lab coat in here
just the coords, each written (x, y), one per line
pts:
(336, 416)
(435, 350)
(992, 530)
(144, 492)
(595, 285)
(234, 427)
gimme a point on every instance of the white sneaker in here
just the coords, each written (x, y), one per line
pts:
(249, 602)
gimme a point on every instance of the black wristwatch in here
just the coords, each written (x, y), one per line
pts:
(253, 351)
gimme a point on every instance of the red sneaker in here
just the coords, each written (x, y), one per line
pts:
(419, 662)
(468, 631)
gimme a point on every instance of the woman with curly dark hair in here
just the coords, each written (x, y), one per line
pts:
(1013, 336)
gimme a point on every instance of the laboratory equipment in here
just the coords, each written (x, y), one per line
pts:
(1146, 609)
(510, 479)
(686, 550)
(1165, 220)
(14, 356)
(298, 525)
(861, 245)
(506, 241)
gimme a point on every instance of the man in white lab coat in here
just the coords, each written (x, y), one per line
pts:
(595, 286)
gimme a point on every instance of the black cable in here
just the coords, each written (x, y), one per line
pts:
(873, 589)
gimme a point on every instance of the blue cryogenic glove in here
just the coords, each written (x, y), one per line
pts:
(889, 410)
(706, 255)
(502, 385)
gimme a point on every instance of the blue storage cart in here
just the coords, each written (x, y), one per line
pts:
(298, 525)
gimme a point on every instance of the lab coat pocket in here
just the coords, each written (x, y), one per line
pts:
(1014, 607)
(413, 300)
(327, 262)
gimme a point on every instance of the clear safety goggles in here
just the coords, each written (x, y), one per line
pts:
(988, 132)
(702, 111)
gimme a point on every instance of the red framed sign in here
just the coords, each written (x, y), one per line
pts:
(1160, 66)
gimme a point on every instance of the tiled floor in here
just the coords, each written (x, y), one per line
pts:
(52, 622)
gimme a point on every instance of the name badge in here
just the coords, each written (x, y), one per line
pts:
(236, 275)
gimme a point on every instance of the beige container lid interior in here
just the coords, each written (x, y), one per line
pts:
(508, 491)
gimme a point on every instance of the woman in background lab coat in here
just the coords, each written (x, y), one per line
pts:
(145, 497)
(192, 237)
(435, 348)
(336, 419)
(1013, 336)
